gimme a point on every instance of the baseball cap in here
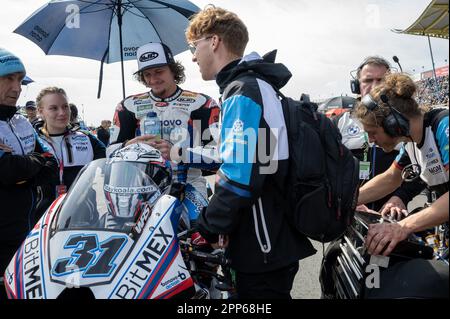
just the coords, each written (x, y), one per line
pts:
(9, 63)
(30, 105)
(152, 55)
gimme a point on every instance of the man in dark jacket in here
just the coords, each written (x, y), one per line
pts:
(247, 208)
(24, 164)
(103, 132)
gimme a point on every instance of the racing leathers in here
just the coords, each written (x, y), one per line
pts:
(187, 120)
(24, 173)
(249, 201)
(73, 149)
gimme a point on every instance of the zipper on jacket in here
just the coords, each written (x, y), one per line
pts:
(69, 148)
(18, 140)
(265, 247)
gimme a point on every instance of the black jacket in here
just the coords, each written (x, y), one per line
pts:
(249, 202)
(28, 167)
(103, 135)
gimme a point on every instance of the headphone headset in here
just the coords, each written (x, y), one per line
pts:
(354, 83)
(395, 124)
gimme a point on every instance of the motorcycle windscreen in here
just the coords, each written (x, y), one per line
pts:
(108, 197)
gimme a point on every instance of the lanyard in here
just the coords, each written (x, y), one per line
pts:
(366, 149)
(60, 161)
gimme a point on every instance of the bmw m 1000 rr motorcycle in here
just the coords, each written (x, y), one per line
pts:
(117, 235)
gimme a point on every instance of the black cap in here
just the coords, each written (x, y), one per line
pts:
(30, 105)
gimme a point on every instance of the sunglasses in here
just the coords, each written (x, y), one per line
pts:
(193, 44)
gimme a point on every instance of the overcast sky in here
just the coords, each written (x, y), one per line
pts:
(320, 41)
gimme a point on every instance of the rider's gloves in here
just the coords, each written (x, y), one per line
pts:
(198, 240)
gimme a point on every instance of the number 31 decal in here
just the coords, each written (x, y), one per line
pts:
(90, 257)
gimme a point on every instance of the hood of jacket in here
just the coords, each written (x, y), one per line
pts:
(276, 74)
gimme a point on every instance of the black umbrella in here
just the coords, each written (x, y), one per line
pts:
(338, 102)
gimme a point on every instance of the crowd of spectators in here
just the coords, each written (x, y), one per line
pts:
(431, 92)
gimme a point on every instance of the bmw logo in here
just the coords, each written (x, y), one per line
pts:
(353, 130)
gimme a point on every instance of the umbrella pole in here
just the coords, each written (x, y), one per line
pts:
(119, 20)
(432, 63)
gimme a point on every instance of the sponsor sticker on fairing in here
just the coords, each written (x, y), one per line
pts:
(146, 213)
(130, 190)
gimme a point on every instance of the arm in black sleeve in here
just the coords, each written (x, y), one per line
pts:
(98, 147)
(103, 135)
(407, 191)
(125, 121)
(20, 168)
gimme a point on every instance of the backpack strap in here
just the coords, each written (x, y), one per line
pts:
(290, 112)
(335, 120)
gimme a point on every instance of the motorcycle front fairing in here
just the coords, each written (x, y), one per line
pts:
(76, 244)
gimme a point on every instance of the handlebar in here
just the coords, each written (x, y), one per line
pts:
(218, 259)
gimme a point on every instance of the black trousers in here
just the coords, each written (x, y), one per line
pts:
(275, 284)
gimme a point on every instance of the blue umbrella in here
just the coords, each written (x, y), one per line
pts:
(107, 30)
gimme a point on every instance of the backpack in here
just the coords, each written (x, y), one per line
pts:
(323, 175)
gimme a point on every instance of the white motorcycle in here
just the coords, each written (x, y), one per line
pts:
(117, 235)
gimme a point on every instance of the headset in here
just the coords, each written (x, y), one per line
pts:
(395, 125)
(354, 83)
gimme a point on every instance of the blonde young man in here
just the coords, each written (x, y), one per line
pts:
(247, 208)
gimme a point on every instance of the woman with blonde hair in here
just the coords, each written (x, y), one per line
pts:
(72, 147)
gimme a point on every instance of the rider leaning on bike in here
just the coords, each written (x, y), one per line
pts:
(390, 115)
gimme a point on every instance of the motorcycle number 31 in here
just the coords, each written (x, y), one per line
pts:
(88, 256)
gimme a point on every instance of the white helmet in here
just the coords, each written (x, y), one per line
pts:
(134, 176)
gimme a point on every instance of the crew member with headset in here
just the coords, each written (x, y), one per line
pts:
(390, 115)
(373, 160)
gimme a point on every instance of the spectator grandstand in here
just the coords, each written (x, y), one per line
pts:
(431, 92)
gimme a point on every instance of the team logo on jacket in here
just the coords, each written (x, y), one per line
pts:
(144, 108)
(353, 130)
(148, 56)
(238, 126)
(186, 100)
(430, 154)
